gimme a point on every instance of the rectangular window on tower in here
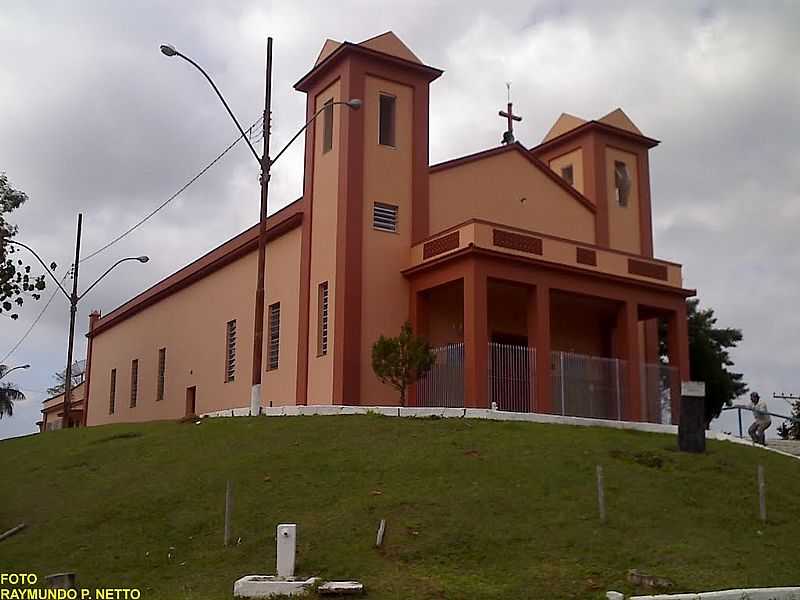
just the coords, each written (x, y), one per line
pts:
(384, 217)
(387, 114)
(622, 182)
(134, 381)
(322, 319)
(230, 351)
(162, 367)
(566, 174)
(112, 392)
(274, 336)
(327, 127)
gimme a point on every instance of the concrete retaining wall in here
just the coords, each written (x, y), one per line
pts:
(784, 593)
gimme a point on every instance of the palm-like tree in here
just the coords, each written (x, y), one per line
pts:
(8, 395)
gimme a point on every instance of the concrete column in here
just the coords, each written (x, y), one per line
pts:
(476, 338)
(418, 317)
(539, 337)
(678, 353)
(628, 350)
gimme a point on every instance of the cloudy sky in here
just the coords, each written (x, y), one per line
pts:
(94, 119)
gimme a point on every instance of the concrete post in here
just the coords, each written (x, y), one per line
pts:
(286, 548)
(692, 426)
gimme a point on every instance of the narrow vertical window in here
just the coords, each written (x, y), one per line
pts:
(134, 381)
(274, 336)
(327, 127)
(387, 110)
(566, 174)
(384, 217)
(622, 182)
(230, 351)
(322, 319)
(162, 366)
(112, 392)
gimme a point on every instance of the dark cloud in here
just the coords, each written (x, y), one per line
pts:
(96, 119)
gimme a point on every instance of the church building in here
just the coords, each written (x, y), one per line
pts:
(530, 270)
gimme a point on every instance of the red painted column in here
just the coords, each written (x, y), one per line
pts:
(539, 337)
(476, 338)
(418, 317)
(628, 350)
(678, 352)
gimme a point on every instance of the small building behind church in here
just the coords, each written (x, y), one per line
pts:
(531, 271)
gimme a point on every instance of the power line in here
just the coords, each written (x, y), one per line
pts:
(250, 132)
(172, 197)
(33, 324)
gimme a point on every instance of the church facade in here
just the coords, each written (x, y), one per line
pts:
(530, 270)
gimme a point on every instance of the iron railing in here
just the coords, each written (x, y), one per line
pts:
(658, 382)
(512, 373)
(587, 386)
(443, 385)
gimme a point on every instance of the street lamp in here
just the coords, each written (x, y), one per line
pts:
(265, 163)
(14, 369)
(73, 299)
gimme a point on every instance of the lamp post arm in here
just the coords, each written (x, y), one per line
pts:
(41, 262)
(303, 128)
(219, 94)
(111, 268)
(14, 369)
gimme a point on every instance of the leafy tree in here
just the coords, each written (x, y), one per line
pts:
(790, 430)
(16, 281)
(709, 359)
(9, 393)
(78, 375)
(402, 360)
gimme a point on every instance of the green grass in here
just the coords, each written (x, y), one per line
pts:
(474, 509)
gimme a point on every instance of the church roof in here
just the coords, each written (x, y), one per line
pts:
(616, 122)
(535, 162)
(386, 45)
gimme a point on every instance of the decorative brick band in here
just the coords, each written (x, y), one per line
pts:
(448, 242)
(517, 241)
(584, 256)
(647, 269)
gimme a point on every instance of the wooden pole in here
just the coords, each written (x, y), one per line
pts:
(228, 508)
(601, 496)
(762, 494)
(381, 531)
(12, 531)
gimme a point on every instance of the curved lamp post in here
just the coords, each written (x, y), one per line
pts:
(14, 369)
(73, 299)
(265, 163)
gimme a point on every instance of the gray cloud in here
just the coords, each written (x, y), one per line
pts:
(96, 120)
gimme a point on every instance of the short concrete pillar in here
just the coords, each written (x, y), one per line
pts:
(692, 425)
(286, 546)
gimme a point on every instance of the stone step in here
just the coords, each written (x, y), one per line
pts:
(790, 446)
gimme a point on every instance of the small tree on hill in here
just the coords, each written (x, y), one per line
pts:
(402, 360)
(790, 430)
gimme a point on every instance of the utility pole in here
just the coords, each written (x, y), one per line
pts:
(73, 309)
(258, 327)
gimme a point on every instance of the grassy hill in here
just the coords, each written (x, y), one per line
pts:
(474, 509)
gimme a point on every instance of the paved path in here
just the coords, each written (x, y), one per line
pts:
(790, 446)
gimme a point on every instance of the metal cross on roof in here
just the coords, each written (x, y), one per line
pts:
(508, 136)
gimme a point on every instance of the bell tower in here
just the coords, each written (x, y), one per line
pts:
(365, 191)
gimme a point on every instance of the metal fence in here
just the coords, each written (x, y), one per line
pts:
(443, 385)
(512, 372)
(588, 386)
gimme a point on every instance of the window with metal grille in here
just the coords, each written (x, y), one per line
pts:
(387, 110)
(622, 182)
(567, 175)
(134, 381)
(230, 351)
(112, 392)
(274, 335)
(327, 127)
(322, 319)
(384, 217)
(162, 366)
